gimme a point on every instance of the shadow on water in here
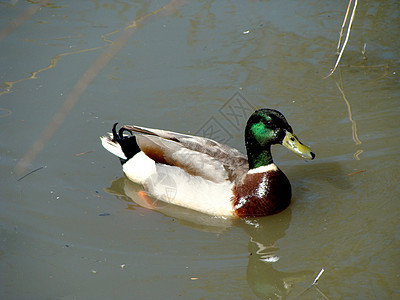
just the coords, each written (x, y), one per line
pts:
(331, 173)
(262, 276)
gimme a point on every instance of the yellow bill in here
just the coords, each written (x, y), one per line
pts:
(291, 142)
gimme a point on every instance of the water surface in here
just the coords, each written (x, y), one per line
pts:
(74, 229)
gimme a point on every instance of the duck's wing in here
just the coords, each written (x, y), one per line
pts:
(196, 155)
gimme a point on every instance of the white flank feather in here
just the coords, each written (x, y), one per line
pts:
(173, 185)
(139, 168)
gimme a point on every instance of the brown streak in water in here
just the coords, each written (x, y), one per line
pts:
(26, 14)
(84, 82)
(356, 172)
(83, 153)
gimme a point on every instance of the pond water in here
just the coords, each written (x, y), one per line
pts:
(75, 227)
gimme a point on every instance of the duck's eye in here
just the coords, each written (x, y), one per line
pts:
(292, 139)
(268, 124)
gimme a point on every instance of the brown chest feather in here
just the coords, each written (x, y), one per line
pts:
(262, 194)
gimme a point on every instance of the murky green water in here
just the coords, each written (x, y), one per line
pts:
(74, 229)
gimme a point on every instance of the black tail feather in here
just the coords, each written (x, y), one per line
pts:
(128, 143)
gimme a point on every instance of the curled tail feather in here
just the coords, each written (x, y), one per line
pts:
(123, 146)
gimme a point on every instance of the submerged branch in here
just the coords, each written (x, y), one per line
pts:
(33, 171)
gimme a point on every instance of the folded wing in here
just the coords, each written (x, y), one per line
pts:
(196, 155)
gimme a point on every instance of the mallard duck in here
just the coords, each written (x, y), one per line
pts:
(201, 174)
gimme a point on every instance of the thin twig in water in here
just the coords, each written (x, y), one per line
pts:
(346, 39)
(364, 51)
(322, 294)
(318, 276)
(30, 173)
(314, 283)
(341, 30)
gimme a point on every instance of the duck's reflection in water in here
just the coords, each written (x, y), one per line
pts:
(264, 280)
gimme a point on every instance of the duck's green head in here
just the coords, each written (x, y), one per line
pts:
(266, 127)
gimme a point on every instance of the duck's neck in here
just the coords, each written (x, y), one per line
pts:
(259, 157)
